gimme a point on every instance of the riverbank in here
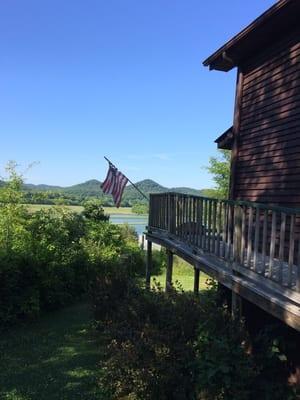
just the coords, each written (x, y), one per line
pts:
(107, 210)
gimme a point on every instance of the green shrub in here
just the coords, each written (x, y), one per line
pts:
(225, 370)
(150, 354)
(49, 258)
(179, 346)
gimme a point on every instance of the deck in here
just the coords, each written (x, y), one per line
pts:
(252, 249)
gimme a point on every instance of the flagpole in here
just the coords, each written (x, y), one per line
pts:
(143, 194)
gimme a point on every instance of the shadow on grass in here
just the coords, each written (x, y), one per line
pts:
(54, 358)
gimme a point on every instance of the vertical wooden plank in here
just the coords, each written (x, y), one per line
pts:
(236, 239)
(272, 244)
(264, 240)
(186, 218)
(238, 234)
(224, 233)
(183, 218)
(204, 245)
(148, 264)
(169, 271)
(168, 213)
(197, 228)
(214, 227)
(180, 216)
(291, 250)
(236, 129)
(229, 230)
(190, 219)
(219, 227)
(281, 245)
(234, 232)
(196, 280)
(236, 306)
(298, 268)
(243, 238)
(195, 221)
(197, 224)
(209, 225)
(256, 238)
(249, 237)
(200, 221)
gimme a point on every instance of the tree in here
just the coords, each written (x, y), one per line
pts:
(13, 214)
(93, 210)
(140, 208)
(219, 167)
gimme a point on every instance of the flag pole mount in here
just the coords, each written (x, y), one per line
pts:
(136, 188)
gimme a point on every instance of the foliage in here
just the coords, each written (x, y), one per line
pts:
(219, 167)
(93, 211)
(49, 258)
(89, 190)
(225, 370)
(140, 208)
(150, 355)
(178, 346)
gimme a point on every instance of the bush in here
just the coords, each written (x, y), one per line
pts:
(49, 258)
(150, 354)
(178, 346)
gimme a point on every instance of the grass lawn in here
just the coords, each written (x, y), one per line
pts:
(108, 210)
(184, 274)
(54, 358)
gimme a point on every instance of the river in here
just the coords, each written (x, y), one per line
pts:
(139, 222)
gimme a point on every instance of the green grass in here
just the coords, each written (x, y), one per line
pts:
(108, 210)
(183, 273)
(54, 358)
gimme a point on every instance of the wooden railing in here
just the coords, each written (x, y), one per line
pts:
(246, 235)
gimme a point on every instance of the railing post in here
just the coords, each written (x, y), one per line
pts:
(151, 211)
(148, 264)
(168, 203)
(169, 271)
(236, 306)
(237, 240)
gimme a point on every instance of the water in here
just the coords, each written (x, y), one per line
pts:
(139, 222)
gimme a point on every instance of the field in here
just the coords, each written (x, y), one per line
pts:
(51, 359)
(183, 275)
(108, 210)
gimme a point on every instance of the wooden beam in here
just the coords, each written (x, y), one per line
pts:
(148, 263)
(258, 290)
(235, 130)
(236, 306)
(169, 271)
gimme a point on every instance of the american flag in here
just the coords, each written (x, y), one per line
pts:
(114, 184)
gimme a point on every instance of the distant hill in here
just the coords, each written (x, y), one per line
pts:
(91, 188)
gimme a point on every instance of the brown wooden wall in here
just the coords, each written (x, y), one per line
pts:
(268, 152)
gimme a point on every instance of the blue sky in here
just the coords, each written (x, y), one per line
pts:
(81, 79)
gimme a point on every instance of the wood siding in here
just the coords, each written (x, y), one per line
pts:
(268, 157)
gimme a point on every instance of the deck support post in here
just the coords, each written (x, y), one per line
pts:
(169, 270)
(148, 264)
(236, 306)
(196, 280)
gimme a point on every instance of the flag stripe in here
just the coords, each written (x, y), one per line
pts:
(109, 184)
(114, 184)
(121, 182)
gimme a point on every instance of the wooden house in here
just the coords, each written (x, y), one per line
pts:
(250, 243)
(265, 136)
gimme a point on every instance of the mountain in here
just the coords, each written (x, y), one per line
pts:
(92, 188)
(75, 194)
